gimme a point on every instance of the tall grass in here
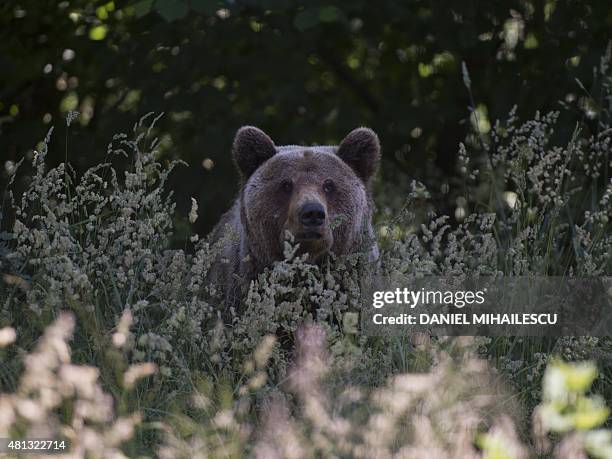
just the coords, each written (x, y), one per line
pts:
(87, 256)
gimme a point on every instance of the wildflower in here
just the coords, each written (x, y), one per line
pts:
(7, 336)
(138, 371)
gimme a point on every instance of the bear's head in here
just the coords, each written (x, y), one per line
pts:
(318, 194)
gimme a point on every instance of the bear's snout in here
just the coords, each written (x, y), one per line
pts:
(312, 215)
(308, 221)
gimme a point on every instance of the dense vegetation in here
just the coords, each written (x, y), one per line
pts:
(97, 244)
(109, 334)
(302, 72)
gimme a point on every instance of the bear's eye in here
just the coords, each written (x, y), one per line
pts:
(329, 186)
(286, 186)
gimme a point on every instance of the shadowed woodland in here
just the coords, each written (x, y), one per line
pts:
(303, 73)
(116, 124)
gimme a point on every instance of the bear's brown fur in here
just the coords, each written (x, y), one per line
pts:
(321, 195)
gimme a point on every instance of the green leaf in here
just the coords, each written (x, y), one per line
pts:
(69, 102)
(562, 378)
(492, 447)
(101, 13)
(330, 14)
(204, 6)
(171, 10)
(306, 19)
(98, 33)
(590, 412)
(580, 377)
(590, 419)
(142, 8)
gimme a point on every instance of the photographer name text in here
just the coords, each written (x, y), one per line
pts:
(466, 319)
(410, 299)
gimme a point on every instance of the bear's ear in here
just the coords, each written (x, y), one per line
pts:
(251, 148)
(360, 149)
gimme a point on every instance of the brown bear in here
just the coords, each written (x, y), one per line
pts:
(321, 195)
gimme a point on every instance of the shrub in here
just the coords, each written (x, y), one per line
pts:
(98, 245)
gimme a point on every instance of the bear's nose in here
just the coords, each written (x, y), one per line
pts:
(312, 214)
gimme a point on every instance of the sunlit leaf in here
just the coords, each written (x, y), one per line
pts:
(101, 13)
(492, 447)
(580, 377)
(98, 32)
(590, 419)
(69, 102)
(590, 413)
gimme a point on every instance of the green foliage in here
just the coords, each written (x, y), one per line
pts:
(566, 407)
(98, 244)
(93, 230)
(304, 72)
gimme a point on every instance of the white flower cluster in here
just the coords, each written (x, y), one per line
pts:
(56, 398)
(98, 245)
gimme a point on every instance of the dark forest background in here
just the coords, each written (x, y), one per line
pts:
(305, 72)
